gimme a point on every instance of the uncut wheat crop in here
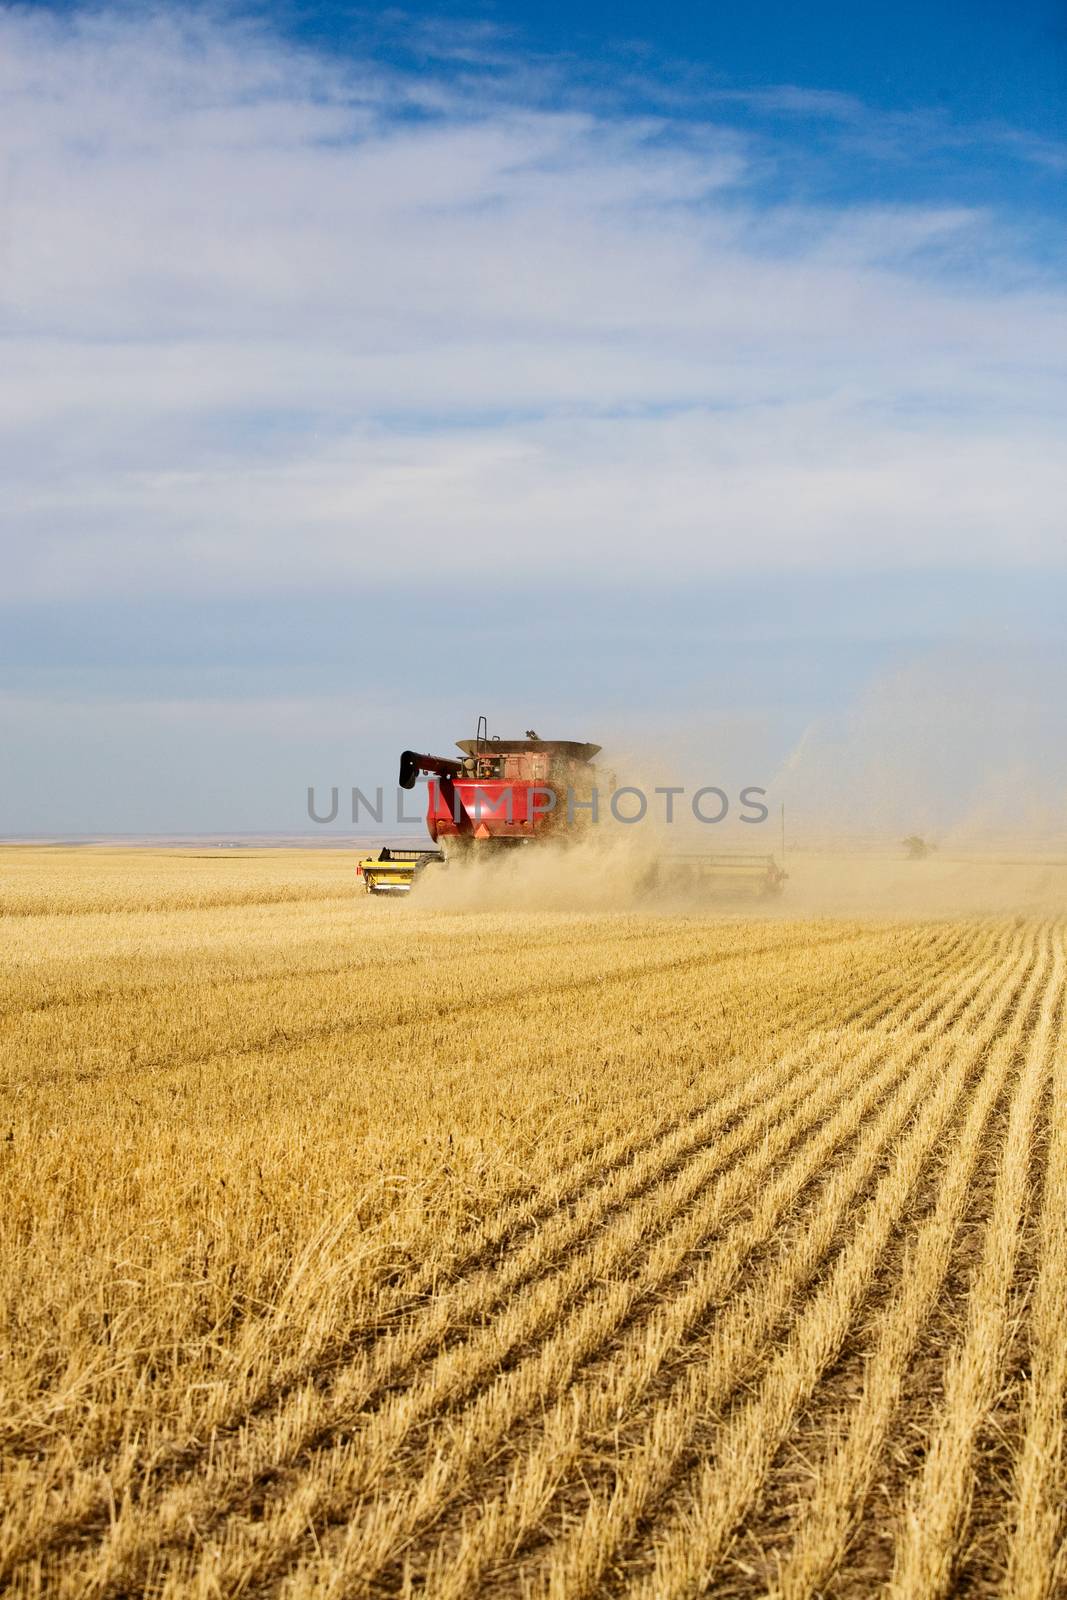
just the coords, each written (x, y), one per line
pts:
(355, 1248)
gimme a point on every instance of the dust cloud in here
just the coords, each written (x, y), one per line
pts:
(624, 875)
(964, 748)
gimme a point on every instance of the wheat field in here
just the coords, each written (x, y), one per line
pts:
(353, 1248)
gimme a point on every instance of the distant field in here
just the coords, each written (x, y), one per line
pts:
(357, 1248)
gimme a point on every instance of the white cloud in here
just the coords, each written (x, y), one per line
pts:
(271, 319)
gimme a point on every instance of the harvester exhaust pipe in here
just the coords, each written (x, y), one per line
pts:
(411, 764)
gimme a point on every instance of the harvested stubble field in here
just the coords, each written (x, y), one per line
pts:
(355, 1248)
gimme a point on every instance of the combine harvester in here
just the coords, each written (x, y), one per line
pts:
(503, 794)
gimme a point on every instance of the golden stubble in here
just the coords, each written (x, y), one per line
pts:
(531, 1249)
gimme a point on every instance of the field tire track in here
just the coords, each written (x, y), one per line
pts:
(280, 1429)
(835, 1498)
(700, 1130)
(689, 1549)
(447, 1469)
(579, 1553)
(1036, 1566)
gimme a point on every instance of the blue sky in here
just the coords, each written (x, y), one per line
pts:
(692, 374)
(978, 59)
(911, 101)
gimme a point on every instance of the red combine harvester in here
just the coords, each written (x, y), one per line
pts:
(504, 793)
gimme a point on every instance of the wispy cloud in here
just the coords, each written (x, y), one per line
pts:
(275, 319)
(1048, 153)
(793, 100)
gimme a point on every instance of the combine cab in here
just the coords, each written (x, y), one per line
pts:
(500, 794)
